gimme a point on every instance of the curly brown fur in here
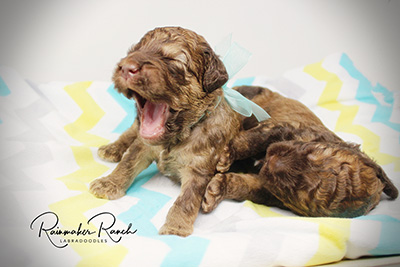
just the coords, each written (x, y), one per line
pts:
(186, 126)
(183, 122)
(297, 164)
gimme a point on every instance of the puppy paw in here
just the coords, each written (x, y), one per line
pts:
(225, 160)
(214, 194)
(111, 152)
(105, 188)
(175, 230)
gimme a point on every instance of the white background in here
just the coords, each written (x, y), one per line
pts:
(47, 40)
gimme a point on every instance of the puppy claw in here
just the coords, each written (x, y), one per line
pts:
(105, 188)
(225, 161)
(110, 152)
(214, 194)
(180, 231)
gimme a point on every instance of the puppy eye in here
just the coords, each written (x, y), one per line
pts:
(147, 63)
(168, 59)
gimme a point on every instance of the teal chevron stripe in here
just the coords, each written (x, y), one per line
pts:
(4, 91)
(149, 204)
(389, 242)
(129, 107)
(190, 249)
(365, 95)
(187, 252)
(4, 88)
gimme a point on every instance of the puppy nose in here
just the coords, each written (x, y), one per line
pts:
(128, 71)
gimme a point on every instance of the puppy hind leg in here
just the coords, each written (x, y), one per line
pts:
(237, 187)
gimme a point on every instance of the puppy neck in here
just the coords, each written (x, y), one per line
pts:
(208, 111)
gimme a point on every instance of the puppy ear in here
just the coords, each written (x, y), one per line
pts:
(215, 74)
(389, 189)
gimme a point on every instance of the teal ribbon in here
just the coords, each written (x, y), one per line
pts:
(235, 58)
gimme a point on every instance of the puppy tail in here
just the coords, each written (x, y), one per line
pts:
(389, 189)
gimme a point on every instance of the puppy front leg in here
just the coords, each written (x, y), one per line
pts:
(136, 159)
(183, 213)
(251, 142)
(248, 143)
(113, 152)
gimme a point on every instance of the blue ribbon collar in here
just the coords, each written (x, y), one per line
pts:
(235, 58)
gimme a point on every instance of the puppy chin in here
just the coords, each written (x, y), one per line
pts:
(156, 138)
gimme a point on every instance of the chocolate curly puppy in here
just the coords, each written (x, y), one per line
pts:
(183, 121)
(297, 164)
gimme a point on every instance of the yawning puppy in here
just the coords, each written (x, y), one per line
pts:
(183, 121)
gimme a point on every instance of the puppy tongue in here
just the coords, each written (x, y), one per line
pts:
(154, 116)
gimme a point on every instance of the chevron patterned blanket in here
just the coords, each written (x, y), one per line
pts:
(49, 137)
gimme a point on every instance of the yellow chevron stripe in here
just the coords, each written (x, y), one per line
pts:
(328, 100)
(262, 210)
(71, 213)
(91, 115)
(71, 210)
(89, 170)
(333, 236)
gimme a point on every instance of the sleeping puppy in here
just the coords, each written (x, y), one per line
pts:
(294, 162)
(183, 122)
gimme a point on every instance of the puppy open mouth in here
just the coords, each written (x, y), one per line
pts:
(153, 116)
